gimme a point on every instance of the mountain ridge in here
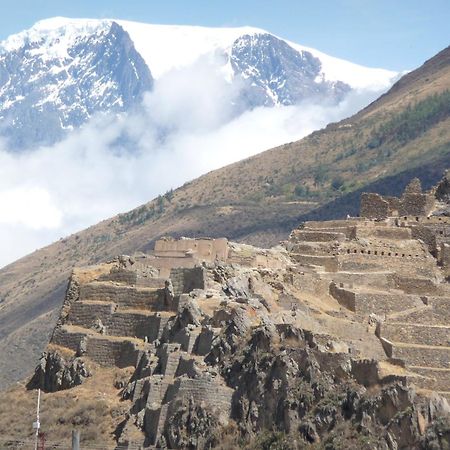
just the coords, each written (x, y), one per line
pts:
(61, 72)
(200, 39)
(257, 200)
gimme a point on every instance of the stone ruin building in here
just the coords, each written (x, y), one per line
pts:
(372, 287)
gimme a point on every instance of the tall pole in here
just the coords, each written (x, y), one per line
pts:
(37, 424)
(75, 440)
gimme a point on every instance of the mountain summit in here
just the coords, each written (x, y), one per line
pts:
(55, 76)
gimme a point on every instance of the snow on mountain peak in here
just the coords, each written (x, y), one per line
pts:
(168, 47)
(54, 35)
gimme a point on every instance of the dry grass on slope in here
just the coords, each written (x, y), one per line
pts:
(94, 408)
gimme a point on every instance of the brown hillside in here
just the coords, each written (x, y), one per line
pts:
(258, 200)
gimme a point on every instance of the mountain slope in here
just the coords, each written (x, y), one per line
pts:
(257, 200)
(55, 76)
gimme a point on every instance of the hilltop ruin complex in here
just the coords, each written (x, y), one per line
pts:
(364, 299)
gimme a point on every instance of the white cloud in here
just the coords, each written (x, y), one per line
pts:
(30, 207)
(184, 129)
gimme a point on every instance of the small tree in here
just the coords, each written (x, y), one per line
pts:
(320, 175)
(337, 182)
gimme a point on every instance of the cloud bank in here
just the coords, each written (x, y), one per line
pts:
(186, 127)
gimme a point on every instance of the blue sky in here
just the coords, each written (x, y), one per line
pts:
(393, 34)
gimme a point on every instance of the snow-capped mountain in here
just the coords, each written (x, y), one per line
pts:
(55, 79)
(60, 72)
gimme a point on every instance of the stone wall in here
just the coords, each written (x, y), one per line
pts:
(441, 309)
(116, 323)
(310, 282)
(416, 334)
(366, 371)
(329, 263)
(206, 390)
(124, 296)
(445, 257)
(374, 206)
(397, 262)
(383, 232)
(121, 276)
(365, 303)
(416, 204)
(412, 203)
(379, 280)
(314, 224)
(311, 248)
(108, 352)
(136, 278)
(344, 296)
(135, 325)
(417, 355)
(185, 280)
(348, 230)
(415, 285)
(204, 249)
(85, 314)
(67, 339)
(316, 236)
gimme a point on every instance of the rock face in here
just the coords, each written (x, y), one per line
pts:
(50, 86)
(276, 74)
(54, 373)
(300, 391)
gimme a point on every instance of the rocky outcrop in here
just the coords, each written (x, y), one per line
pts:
(54, 373)
(191, 426)
(300, 391)
(312, 346)
(274, 73)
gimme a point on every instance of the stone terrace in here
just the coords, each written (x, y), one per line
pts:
(116, 314)
(391, 270)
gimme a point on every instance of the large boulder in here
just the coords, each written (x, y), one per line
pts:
(54, 373)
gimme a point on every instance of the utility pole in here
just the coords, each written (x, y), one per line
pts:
(41, 441)
(75, 439)
(37, 424)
